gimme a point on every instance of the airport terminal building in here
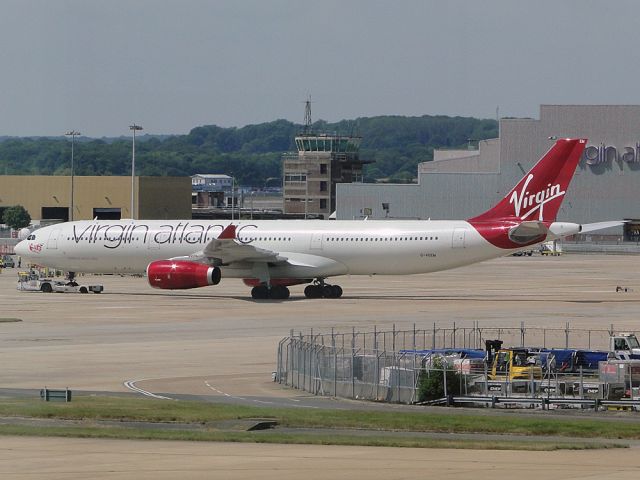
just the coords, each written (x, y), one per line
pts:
(48, 197)
(460, 184)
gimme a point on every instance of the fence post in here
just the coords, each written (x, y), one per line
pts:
(581, 385)
(375, 350)
(300, 353)
(454, 336)
(522, 334)
(393, 344)
(415, 380)
(566, 335)
(335, 363)
(397, 363)
(444, 375)
(353, 358)
(291, 354)
(486, 379)
(312, 384)
(433, 339)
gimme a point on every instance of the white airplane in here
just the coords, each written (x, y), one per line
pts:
(272, 255)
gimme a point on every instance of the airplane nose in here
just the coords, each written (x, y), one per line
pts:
(21, 248)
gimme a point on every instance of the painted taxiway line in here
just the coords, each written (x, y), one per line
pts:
(131, 385)
(264, 402)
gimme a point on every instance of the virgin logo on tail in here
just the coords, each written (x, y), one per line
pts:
(533, 202)
(536, 197)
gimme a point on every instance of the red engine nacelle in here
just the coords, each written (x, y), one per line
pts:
(179, 275)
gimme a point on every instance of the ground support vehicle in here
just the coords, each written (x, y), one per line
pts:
(33, 282)
(516, 364)
(624, 346)
(552, 248)
(73, 287)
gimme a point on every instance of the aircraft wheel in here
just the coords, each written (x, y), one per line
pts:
(260, 292)
(337, 291)
(279, 292)
(327, 291)
(46, 288)
(313, 291)
(84, 290)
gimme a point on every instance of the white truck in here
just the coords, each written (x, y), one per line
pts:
(33, 282)
(624, 346)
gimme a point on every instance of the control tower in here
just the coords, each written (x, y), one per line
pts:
(311, 175)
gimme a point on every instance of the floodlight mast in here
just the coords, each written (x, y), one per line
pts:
(133, 128)
(72, 134)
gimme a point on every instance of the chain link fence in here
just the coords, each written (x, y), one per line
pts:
(386, 365)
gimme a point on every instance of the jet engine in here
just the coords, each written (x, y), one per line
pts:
(180, 275)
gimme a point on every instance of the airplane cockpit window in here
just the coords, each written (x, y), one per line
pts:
(31, 237)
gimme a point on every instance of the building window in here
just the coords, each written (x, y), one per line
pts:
(295, 178)
(323, 168)
(323, 186)
(323, 203)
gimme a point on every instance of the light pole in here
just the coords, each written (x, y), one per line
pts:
(72, 134)
(134, 128)
(233, 194)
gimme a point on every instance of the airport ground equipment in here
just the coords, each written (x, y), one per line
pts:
(552, 248)
(33, 282)
(516, 364)
(624, 346)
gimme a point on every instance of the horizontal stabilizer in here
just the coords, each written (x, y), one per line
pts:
(592, 227)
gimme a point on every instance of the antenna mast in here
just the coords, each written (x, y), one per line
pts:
(307, 115)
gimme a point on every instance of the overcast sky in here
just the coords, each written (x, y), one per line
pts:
(98, 66)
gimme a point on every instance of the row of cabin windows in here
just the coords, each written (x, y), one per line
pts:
(288, 239)
(380, 239)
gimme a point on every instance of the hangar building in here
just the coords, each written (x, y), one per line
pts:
(49, 197)
(459, 184)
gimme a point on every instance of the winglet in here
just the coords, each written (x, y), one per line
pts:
(228, 233)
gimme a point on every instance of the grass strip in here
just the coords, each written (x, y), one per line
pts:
(294, 438)
(150, 410)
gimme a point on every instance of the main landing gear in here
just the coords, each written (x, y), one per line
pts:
(277, 292)
(319, 289)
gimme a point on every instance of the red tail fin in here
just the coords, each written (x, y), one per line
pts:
(539, 194)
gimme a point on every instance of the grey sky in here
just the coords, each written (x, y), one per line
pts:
(97, 66)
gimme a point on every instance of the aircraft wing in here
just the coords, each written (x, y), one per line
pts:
(227, 249)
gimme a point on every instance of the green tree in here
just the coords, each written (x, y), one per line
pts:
(16, 217)
(431, 382)
(395, 144)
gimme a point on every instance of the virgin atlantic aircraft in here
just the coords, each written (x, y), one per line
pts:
(273, 255)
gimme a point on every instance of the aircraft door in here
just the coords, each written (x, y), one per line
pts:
(458, 239)
(52, 243)
(316, 241)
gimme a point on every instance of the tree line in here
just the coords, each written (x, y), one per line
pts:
(396, 144)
